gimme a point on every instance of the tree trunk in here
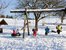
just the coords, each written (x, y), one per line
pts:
(36, 24)
(62, 19)
(37, 16)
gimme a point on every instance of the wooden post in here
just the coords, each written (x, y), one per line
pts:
(24, 26)
(27, 21)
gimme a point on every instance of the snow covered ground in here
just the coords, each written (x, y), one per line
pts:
(41, 42)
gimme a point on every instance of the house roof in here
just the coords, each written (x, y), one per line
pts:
(3, 22)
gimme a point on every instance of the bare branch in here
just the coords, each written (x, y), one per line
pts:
(41, 18)
(4, 5)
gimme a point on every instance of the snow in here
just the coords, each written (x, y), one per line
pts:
(41, 42)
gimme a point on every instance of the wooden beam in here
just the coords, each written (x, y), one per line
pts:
(36, 10)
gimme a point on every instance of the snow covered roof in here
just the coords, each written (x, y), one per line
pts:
(36, 10)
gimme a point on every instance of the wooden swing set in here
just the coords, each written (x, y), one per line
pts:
(34, 11)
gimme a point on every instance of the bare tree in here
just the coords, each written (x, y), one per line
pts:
(61, 15)
(3, 5)
(41, 4)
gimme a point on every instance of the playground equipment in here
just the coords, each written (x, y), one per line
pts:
(34, 11)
